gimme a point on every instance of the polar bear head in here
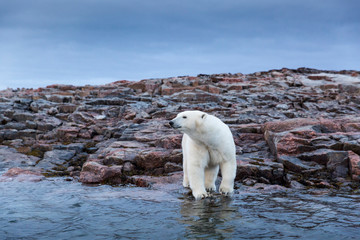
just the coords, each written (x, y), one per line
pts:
(188, 121)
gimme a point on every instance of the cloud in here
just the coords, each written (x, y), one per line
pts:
(85, 41)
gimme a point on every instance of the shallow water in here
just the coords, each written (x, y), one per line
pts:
(58, 209)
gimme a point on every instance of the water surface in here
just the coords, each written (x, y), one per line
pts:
(59, 209)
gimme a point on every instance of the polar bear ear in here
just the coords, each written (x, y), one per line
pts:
(203, 116)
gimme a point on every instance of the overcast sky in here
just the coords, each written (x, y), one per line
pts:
(80, 42)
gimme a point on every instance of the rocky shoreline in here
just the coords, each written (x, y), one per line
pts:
(297, 128)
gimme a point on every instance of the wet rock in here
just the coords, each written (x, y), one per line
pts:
(338, 164)
(261, 173)
(10, 158)
(354, 166)
(296, 185)
(93, 172)
(296, 165)
(56, 160)
(21, 175)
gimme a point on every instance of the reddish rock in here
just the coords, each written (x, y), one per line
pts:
(62, 87)
(172, 167)
(322, 124)
(169, 142)
(119, 156)
(354, 165)
(22, 175)
(286, 143)
(319, 77)
(210, 89)
(231, 80)
(82, 118)
(196, 96)
(151, 159)
(67, 133)
(67, 108)
(352, 126)
(164, 182)
(93, 172)
(165, 90)
(235, 87)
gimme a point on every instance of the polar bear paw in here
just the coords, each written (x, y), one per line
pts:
(200, 195)
(211, 189)
(186, 184)
(227, 191)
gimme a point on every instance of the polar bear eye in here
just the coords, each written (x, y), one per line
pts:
(184, 117)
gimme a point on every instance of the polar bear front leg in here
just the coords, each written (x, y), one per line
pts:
(228, 173)
(185, 172)
(196, 175)
(210, 178)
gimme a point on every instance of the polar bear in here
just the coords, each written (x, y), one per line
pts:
(207, 144)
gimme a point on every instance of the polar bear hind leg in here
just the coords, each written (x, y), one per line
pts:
(228, 173)
(210, 177)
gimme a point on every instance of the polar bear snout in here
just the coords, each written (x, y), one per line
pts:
(174, 125)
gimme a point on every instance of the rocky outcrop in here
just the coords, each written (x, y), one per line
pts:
(299, 128)
(316, 147)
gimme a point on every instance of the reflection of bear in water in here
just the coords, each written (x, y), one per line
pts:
(207, 144)
(212, 218)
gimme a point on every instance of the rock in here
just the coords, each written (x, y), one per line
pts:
(40, 105)
(45, 123)
(23, 116)
(93, 172)
(354, 166)
(324, 184)
(296, 185)
(52, 111)
(119, 156)
(322, 156)
(67, 133)
(151, 159)
(172, 167)
(10, 158)
(56, 160)
(282, 106)
(296, 165)
(249, 182)
(21, 175)
(349, 89)
(338, 164)
(196, 96)
(128, 167)
(300, 121)
(290, 142)
(271, 174)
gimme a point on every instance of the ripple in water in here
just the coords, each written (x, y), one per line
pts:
(57, 209)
